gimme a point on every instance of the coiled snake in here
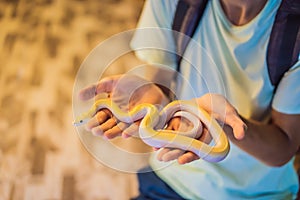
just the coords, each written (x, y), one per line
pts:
(151, 128)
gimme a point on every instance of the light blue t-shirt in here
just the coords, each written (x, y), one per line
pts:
(229, 60)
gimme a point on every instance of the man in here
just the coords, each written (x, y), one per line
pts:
(228, 77)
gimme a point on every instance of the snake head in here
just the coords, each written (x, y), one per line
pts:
(80, 121)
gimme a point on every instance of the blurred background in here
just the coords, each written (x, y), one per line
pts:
(43, 43)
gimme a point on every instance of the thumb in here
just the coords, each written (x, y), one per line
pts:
(238, 126)
(173, 124)
(105, 85)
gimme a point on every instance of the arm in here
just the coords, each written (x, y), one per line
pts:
(274, 143)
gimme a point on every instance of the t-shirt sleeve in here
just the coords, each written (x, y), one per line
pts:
(153, 40)
(287, 97)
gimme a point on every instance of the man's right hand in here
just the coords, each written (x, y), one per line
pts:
(126, 91)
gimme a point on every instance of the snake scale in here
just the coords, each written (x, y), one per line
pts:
(153, 121)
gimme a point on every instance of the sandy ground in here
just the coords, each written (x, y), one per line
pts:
(43, 44)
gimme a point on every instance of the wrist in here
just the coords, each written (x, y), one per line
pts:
(167, 94)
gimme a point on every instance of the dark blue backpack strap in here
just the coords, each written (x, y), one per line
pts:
(187, 16)
(284, 44)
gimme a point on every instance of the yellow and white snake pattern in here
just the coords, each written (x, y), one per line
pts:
(151, 129)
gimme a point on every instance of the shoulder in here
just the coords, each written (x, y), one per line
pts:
(166, 5)
(161, 11)
(287, 95)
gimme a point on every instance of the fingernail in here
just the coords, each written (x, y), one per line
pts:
(86, 127)
(125, 136)
(159, 158)
(96, 132)
(155, 149)
(105, 137)
(245, 127)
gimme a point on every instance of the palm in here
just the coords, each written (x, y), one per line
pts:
(130, 90)
(126, 91)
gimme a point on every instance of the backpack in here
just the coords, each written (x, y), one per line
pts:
(284, 43)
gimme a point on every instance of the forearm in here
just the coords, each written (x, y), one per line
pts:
(266, 142)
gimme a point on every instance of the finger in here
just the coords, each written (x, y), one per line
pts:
(104, 85)
(97, 131)
(187, 157)
(132, 130)
(88, 92)
(172, 154)
(162, 152)
(98, 119)
(205, 136)
(125, 135)
(116, 130)
(238, 126)
(173, 124)
(110, 123)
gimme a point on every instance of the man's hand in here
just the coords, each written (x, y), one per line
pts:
(225, 113)
(126, 91)
(181, 124)
(219, 108)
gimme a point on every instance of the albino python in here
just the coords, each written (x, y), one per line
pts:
(153, 122)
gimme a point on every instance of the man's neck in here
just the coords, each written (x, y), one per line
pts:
(240, 12)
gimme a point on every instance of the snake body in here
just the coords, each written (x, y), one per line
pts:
(151, 128)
